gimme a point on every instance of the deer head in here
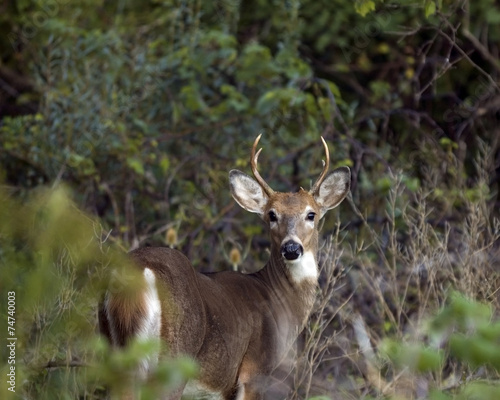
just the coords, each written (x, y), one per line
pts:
(292, 218)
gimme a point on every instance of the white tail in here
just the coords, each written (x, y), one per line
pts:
(236, 326)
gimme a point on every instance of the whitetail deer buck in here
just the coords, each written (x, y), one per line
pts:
(236, 326)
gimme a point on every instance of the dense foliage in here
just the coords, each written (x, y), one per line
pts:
(141, 108)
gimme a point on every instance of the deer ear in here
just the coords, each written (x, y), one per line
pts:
(334, 189)
(247, 192)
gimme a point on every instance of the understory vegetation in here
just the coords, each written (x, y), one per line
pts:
(121, 120)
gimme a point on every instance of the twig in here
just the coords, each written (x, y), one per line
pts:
(466, 56)
(475, 42)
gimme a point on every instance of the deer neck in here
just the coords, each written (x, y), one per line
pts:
(293, 284)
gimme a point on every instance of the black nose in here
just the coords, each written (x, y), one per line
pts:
(291, 250)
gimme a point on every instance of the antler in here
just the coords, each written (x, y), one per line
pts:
(253, 163)
(321, 178)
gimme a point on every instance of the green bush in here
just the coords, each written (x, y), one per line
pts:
(462, 332)
(55, 268)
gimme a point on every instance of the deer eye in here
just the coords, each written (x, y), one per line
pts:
(310, 216)
(272, 216)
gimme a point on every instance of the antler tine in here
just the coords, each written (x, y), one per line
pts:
(326, 164)
(253, 163)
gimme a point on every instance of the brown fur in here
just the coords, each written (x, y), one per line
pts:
(126, 313)
(123, 308)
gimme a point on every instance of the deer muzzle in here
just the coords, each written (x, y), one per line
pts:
(291, 250)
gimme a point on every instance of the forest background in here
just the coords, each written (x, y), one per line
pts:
(119, 124)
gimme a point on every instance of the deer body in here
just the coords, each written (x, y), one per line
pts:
(237, 327)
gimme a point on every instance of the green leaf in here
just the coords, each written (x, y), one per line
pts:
(415, 356)
(142, 125)
(364, 7)
(136, 165)
(447, 143)
(430, 8)
(481, 391)
(475, 350)
(438, 395)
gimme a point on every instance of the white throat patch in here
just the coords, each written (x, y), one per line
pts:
(304, 268)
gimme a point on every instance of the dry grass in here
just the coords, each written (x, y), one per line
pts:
(386, 281)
